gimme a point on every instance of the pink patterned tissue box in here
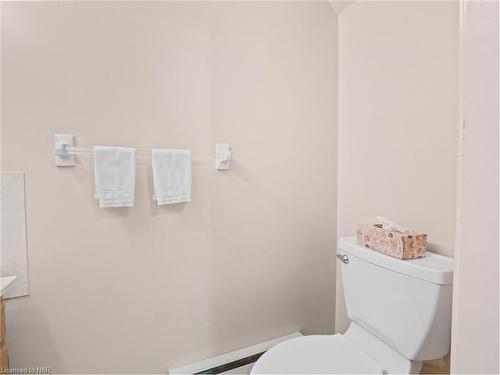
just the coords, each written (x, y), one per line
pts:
(401, 245)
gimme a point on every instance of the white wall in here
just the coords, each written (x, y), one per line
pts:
(251, 257)
(398, 119)
(475, 309)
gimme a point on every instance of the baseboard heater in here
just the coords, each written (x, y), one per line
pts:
(237, 362)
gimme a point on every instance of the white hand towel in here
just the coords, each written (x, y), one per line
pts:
(171, 176)
(114, 176)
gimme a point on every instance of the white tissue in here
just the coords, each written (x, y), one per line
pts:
(390, 225)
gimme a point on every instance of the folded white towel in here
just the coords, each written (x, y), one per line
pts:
(114, 176)
(171, 176)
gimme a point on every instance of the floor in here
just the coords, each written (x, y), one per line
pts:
(437, 366)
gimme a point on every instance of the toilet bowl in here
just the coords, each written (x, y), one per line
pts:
(400, 312)
(334, 354)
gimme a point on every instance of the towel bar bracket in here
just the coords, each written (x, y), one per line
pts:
(222, 156)
(62, 142)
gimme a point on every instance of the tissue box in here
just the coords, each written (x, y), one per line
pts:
(391, 242)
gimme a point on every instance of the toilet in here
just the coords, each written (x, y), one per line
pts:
(400, 313)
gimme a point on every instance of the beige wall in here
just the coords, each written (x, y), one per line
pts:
(398, 119)
(475, 309)
(251, 257)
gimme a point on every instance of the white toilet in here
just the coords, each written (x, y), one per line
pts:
(400, 312)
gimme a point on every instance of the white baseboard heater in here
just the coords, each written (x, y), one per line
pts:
(237, 362)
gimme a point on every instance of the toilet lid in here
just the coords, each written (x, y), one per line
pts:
(325, 354)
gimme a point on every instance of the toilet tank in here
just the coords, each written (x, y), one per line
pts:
(405, 303)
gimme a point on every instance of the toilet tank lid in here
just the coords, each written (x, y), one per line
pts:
(434, 268)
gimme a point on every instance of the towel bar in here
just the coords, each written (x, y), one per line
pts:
(65, 152)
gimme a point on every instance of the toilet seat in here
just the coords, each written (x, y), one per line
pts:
(316, 354)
